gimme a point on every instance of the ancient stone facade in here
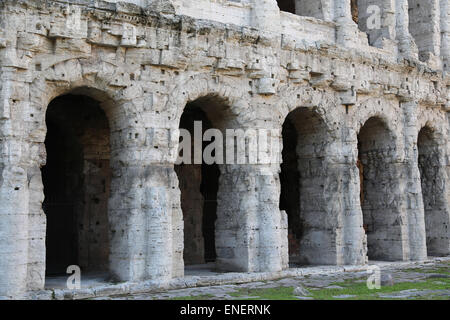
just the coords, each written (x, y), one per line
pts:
(93, 95)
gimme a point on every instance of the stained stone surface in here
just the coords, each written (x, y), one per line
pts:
(368, 137)
(414, 273)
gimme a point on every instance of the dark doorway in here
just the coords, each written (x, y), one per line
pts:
(379, 175)
(287, 5)
(199, 185)
(290, 188)
(303, 189)
(432, 168)
(76, 182)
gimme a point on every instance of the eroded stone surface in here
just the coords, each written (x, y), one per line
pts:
(358, 101)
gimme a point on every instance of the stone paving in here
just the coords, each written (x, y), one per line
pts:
(437, 271)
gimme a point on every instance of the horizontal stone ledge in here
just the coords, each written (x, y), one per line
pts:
(156, 286)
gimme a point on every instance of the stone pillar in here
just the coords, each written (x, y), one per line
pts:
(266, 15)
(329, 226)
(346, 29)
(250, 229)
(406, 45)
(445, 32)
(320, 9)
(141, 213)
(13, 227)
(424, 26)
(435, 194)
(352, 238)
(190, 179)
(37, 230)
(435, 189)
(14, 196)
(414, 201)
(323, 184)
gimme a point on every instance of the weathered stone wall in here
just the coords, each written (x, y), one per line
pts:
(144, 62)
(424, 25)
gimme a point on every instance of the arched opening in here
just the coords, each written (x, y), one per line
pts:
(432, 176)
(76, 182)
(199, 183)
(303, 191)
(379, 187)
(287, 5)
(305, 8)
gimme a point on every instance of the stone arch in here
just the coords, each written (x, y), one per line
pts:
(199, 179)
(125, 124)
(200, 183)
(384, 118)
(319, 9)
(101, 98)
(239, 184)
(433, 175)
(381, 196)
(112, 88)
(308, 188)
(205, 86)
(339, 176)
(77, 180)
(321, 102)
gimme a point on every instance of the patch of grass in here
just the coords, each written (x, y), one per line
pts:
(280, 293)
(361, 292)
(201, 297)
(440, 270)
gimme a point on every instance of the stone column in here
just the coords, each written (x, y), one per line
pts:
(346, 28)
(406, 45)
(435, 197)
(434, 174)
(190, 179)
(142, 210)
(331, 190)
(14, 196)
(445, 32)
(266, 15)
(250, 229)
(444, 227)
(320, 9)
(352, 238)
(424, 26)
(414, 201)
(13, 227)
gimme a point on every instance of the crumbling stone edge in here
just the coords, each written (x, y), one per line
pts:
(155, 286)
